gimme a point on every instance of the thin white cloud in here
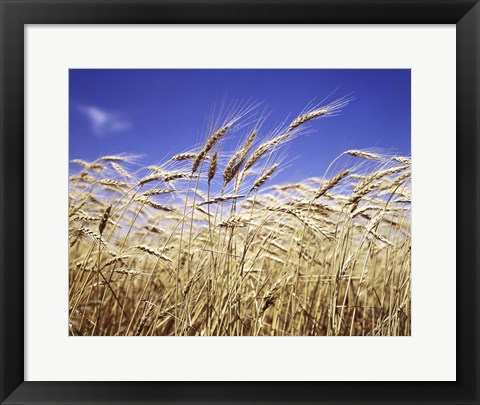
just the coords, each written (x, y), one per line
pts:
(103, 122)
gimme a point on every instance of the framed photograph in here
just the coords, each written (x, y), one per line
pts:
(239, 202)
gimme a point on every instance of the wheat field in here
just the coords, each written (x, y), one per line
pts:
(207, 244)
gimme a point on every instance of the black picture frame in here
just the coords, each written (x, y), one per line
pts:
(15, 14)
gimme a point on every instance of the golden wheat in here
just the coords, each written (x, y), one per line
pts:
(324, 256)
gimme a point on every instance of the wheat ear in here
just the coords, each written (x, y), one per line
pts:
(211, 141)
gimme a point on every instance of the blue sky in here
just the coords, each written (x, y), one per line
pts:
(157, 113)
